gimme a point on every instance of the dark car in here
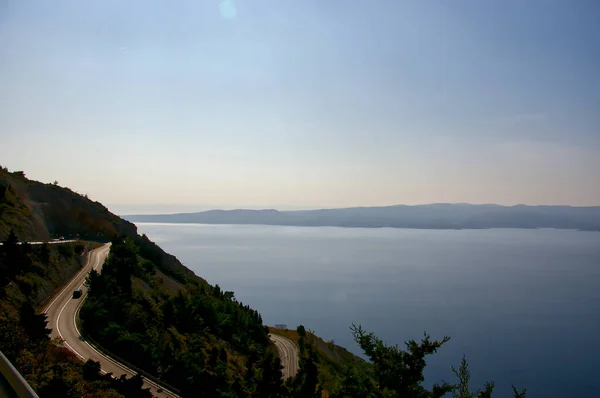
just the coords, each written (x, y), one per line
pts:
(77, 293)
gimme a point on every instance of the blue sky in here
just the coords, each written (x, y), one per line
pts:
(301, 104)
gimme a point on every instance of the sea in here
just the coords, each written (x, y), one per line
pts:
(522, 305)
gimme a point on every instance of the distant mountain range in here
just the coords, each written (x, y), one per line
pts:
(433, 216)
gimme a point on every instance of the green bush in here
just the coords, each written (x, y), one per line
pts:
(79, 248)
(66, 250)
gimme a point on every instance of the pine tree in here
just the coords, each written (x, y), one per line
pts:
(306, 382)
(34, 324)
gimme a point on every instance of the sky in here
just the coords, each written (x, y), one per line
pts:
(186, 105)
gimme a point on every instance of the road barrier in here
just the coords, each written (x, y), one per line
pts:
(15, 380)
(123, 362)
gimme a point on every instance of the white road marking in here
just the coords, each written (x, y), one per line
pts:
(288, 354)
(70, 283)
(94, 263)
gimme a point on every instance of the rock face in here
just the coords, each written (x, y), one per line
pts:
(38, 211)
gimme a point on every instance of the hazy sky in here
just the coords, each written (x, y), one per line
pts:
(304, 103)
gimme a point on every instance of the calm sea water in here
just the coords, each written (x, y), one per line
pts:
(522, 305)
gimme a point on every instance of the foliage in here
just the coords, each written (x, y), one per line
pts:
(461, 390)
(519, 393)
(52, 370)
(202, 339)
(155, 313)
(332, 361)
(399, 373)
(306, 382)
(37, 211)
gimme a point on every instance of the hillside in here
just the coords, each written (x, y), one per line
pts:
(332, 360)
(29, 276)
(197, 333)
(145, 307)
(148, 309)
(434, 216)
(38, 211)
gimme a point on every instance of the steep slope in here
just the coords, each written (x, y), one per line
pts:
(38, 211)
(145, 306)
(29, 276)
(150, 310)
(332, 360)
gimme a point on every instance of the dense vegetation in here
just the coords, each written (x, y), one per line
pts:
(201, 339)
(151, 311)
(29, 274)
(399, 373)
(38, 211)
(329, 370)
(331, 360)
(206, 343)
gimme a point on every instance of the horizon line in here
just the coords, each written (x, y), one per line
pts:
(255, 208)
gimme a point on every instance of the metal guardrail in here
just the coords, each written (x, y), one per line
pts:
(15, 380)
(84, 335)
(22, 389)
(156, 380)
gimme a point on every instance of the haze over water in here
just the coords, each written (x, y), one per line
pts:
(522, 305)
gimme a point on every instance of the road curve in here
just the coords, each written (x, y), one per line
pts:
(288, 354)
(63, 310)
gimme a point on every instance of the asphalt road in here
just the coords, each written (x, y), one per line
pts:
(288, 354)
(50, 242)
(63, 310)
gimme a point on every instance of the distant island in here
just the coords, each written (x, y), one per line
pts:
(432, 216)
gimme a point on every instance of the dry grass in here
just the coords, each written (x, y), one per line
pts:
(331, 358)
(170, 285)
(290, 334)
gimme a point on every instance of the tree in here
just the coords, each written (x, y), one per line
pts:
(34, 324)
(461, 390)
(93, 282)
(302, 333)
(269, 375)
(11, 240)
(79, 249)
(399, 373)
(9, 253)
(133, 387)
(355, 383)
(306, 381)
(519, 393)
(91, 369)
(45, 252)
(12, 253)
(58, 386)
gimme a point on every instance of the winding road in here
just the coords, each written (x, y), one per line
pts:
(62, 312)
(288, 354)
